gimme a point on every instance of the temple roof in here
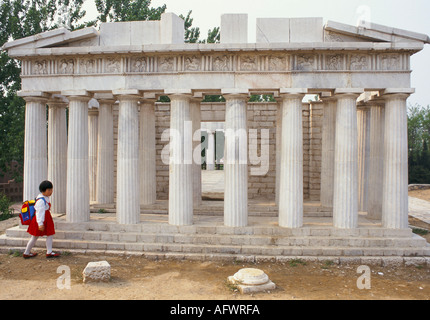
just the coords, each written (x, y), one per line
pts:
(168, 34)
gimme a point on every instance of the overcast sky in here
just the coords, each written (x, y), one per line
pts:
(412, 15)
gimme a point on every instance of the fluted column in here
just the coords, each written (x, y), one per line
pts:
(278, 149)
(328, 147)
(128, 178)
(93, 120)
(105, 151)
(78, 199)
(291, 173)
(376, 158)
(148, 180)
(197, 151)
(395, 188)
(35, 143)
(210, 151)
(345, 201)
(363, 130)
(57, 153)
(235, 159)
(181, 159)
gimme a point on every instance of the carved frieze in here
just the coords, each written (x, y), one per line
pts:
(248, 63)
(216, 62)
(166, 64)
(138, 64)
(221, 63)
(66, 66)
(359, 62)
(334, 61)
(390, 61)
(112, 65)
(88, 66)
(277, 63)
(306, 62)
(40, 67)
(192, 63)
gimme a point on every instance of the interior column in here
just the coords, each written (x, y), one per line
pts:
(181, 159)
(78, 196)
(291, 165)
(345, 198)
(235, 159)
(128, 178)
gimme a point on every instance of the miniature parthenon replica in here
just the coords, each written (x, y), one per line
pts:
(333, 180)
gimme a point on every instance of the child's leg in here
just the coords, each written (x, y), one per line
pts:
(30, 244)
(49, 240)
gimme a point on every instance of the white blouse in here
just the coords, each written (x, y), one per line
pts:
(41, 208)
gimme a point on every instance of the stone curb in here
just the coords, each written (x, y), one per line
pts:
(382, 261)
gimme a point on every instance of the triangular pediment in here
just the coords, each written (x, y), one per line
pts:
(370, 32)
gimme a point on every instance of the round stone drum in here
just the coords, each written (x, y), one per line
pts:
(251, 276)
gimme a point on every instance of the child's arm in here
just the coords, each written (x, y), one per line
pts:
(40, 211)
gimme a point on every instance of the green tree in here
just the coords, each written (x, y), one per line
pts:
(19, 19)
(127, 10)
(191, 34)
(418, 141)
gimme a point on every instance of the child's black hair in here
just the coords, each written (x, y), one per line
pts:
(45, 185)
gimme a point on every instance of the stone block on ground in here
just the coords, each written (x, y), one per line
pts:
(97, 272)
(250, 280)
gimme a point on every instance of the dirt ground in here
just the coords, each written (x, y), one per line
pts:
(139, 278)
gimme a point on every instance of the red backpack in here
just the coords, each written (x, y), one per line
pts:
(28, 211)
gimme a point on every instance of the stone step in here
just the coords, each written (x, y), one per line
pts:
(220, 239)
(245, 250)
(211, 229)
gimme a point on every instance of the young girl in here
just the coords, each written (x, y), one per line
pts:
(42, 223)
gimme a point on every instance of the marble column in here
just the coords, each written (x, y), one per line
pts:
(291, 171)
(376, 158)
(395, 180)
(57, 153)
(278, 148)
(181, 159)
(128, 178)
(345, 200)
(235, 159)
(105, 151)
(210, 151)
(363, 131)
(78, 196)
(35, 144)
(328, 147)
(197, 151)
(148, 180)
(93, 114)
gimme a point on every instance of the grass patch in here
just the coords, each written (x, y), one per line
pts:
(421, 232)
(296, 262)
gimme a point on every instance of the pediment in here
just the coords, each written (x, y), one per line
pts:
(370, 32)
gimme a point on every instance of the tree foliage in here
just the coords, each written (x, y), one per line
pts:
(127, 10)
(20, 19)
(419, 141)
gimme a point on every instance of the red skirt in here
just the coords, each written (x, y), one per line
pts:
(33, 228)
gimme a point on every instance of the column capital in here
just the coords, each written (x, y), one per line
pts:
(57, 101)
(235, 93)
(348, 92)
(80, 95)
(104, 98)
(293, 93)
(392, 93)
(127, 94)
(33, 96)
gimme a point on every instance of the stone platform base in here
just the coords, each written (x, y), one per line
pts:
(209, 239)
